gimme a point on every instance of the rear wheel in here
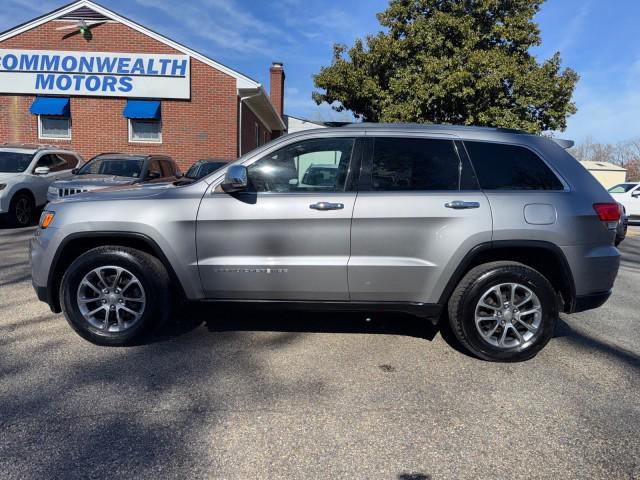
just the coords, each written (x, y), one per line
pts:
(113, 295)
(21, 210)
(503, 311)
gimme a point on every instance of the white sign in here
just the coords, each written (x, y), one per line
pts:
(101, 74)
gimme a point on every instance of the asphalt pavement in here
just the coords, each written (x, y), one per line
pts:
(249, 394)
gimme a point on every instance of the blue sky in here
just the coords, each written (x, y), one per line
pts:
(598, 38)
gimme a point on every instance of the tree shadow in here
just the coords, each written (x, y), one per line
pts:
(567, 332)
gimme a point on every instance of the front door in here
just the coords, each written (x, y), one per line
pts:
(633, 203)
(288, 237)
(419, 210)
(59, 165)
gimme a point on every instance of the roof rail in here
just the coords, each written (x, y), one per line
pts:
(36, 146)
(431, 126)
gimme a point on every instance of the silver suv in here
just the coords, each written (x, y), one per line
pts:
(492, 230)
(26, 171)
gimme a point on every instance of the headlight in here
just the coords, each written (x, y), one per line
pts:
(45, 219)
(3, 186)
(52, 190)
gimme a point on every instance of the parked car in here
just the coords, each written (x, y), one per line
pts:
(116, 169)
(623, 224)
(320, 176)
(202, 168)
(628, 194)
(496, 230)
(26, 171)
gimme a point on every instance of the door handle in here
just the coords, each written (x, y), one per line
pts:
(461, 205)
(326, 206)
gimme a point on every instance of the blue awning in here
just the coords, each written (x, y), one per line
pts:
(58, 106)
(147, 109)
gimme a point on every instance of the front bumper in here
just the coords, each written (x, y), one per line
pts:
(40, 261)
(4, 201)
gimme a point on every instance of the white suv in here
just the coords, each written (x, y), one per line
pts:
(628, 194)
(26, 171)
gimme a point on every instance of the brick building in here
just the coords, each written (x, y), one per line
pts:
(85, 77)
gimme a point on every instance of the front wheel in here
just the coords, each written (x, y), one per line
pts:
(112, 295)
(21, 210)
(503, 311)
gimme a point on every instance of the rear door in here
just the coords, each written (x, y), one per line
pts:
(419, 211)
(281, 240)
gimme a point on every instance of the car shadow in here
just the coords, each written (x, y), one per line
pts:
(292, 323)
(244, 318)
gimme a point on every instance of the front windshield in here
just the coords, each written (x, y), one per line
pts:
(119, 167)
(14, 162)
(198, 171)
(622, 188)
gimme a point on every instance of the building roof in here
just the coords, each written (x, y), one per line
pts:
(602, 166)
(73, 10)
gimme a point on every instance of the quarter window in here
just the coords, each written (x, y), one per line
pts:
(307, 166)
(54, 127)
(509, 167)
(414, 164)
(147, 131)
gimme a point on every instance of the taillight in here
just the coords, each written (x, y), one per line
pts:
(607, 212)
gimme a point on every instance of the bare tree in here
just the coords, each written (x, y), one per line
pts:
(625, 153)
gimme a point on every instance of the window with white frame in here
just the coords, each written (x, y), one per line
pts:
(143, 130)
(50, 126)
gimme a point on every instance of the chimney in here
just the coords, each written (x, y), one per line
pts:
(276, 86)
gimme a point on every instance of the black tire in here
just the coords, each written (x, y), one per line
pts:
(22, 210)
(470, 290)
(150, 272)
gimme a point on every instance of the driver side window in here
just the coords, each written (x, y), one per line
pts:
(318, 165)
(54, 162)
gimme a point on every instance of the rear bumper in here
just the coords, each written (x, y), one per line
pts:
(594, 268)
(589, 302)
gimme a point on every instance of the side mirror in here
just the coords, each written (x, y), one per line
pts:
(74, 171)
(42, 171)
(236, 179)
(636, 194)
(152, 175)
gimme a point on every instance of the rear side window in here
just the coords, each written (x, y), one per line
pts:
(509, 167)
(167, 169)
(414, 164)
(72, 162)
(154, 169)
(622, 188)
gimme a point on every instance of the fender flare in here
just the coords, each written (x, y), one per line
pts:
(53, 278)
(465, 265)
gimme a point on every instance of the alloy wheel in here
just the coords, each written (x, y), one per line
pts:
(111, 299)
(508, 315)
(23, 211)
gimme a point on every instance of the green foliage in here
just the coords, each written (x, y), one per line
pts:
(452, 61)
